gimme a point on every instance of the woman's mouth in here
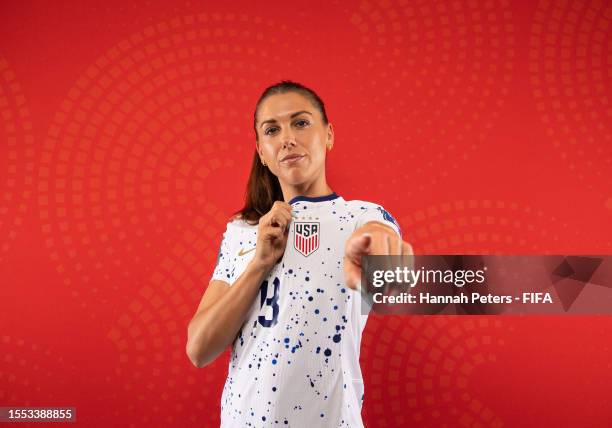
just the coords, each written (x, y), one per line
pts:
(291, 159)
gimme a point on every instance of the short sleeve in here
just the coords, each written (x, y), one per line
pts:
(224, 269)
(373, 212)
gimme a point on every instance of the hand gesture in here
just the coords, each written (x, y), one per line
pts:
(272, 233)
(372, 239)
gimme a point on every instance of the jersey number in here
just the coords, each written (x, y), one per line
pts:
(269, 302)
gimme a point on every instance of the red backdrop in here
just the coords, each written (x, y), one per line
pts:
(125, 142)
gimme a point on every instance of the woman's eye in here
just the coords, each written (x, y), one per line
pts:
(300, 123)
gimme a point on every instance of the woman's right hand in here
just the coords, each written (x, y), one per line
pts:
(272, 233)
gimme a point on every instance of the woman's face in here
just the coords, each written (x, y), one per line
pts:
(293, 138)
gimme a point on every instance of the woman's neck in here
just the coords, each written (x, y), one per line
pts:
(311, 190)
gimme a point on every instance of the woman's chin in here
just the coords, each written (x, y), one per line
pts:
(294, 178)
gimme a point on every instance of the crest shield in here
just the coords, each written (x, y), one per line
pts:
(306, 237)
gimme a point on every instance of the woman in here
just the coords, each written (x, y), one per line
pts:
(282, 290)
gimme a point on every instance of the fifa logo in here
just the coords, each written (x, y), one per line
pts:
(306, 239)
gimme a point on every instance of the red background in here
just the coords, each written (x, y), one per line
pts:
(125, 142)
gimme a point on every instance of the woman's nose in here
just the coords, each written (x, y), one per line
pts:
(288, 139)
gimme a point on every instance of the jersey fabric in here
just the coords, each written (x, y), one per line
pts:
(295, 361)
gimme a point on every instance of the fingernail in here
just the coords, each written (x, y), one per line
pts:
(366, 234)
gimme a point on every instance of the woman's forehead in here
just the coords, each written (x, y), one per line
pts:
(281, 106)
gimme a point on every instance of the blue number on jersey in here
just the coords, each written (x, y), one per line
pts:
(269, 301)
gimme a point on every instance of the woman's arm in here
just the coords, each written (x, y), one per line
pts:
(221, 313)
(223, 309)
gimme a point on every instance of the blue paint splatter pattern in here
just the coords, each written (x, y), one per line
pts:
(295, 361)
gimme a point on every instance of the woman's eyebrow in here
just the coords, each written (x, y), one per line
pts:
(291, 117)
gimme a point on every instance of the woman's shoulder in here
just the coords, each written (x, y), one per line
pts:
(237, 229)
(237, 221)
(362, 205)
(367, 208)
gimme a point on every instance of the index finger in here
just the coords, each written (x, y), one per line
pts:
(281, 204)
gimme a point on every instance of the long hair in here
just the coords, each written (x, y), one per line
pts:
(263, 187)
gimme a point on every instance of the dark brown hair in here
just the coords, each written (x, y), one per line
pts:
(263, 187)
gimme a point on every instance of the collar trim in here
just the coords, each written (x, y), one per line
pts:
(329, 197)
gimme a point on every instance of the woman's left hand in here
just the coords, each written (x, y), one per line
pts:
(371, 239)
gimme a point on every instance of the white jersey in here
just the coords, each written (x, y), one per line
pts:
(295, 361)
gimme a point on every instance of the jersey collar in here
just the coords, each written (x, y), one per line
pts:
(329, 197)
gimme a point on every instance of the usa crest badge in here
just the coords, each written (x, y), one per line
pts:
(306, 240)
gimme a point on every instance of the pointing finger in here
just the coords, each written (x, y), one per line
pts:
(361, 244)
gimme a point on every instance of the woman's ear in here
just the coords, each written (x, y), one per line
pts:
(259, 151)
(330, 137)
(260, 154)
